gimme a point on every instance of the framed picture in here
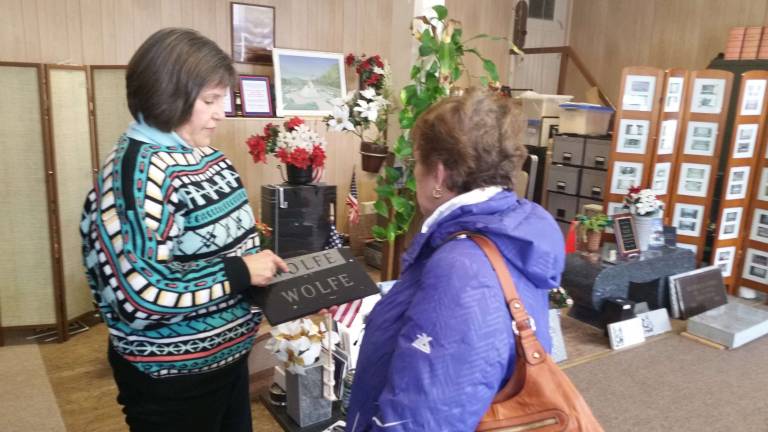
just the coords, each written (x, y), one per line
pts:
(737, 183)
(762, 193)
(724, 259)
(667, 137)
(759, 229)
(633, 136)
(744, 143)
(253, 33)
(306, 81)
(625, 175)
(660, 180)
(694, 180)
(707, 96)
(688, 219)
(229, 103)
(756, 266)
(701, 138)
(638, 93)
(256, 96)
(624, 229)
(730, 223)
(614, 208)
(752, 99)
(674, 94)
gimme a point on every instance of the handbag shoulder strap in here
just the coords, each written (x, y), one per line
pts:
(523, 325)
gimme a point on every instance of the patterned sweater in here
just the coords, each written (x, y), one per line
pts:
(163, 230)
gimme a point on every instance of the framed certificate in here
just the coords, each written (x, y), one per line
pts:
(256, 96)
(229, 103)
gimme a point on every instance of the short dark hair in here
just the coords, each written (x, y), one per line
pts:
(477, 136)
(167, 73)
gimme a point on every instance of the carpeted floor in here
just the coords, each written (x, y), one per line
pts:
(27, 401)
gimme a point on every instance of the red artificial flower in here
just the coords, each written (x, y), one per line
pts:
(257, 147)
(349, 60)
(634, 190)
(318, 156)
(268, 129)
(377, 61)
(298, 157)
(373, 80)
(293, 123)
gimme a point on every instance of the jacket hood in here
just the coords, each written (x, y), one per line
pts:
(523, 231)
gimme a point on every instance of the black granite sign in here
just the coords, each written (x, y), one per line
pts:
(699, 291)
(670, 236)
(315, 281)
(625, 234)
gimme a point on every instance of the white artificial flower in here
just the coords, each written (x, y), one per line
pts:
(377, 70)
(369, 110)
(369, 93)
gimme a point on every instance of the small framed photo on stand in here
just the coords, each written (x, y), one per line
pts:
(624, 229)
(256, 96)
(229, 103)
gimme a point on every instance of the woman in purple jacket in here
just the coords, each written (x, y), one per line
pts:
(439, 345)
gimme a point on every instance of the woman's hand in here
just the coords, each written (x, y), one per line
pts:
(263, 267)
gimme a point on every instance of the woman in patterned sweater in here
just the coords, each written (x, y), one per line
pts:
(170, 246)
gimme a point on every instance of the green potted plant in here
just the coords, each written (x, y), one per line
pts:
(591, 229)
(438, 66)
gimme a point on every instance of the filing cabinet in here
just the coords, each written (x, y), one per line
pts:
(592, 184)
(577, 175)
(563, 207)
(568, 149)
(596, 152)
(564, 179)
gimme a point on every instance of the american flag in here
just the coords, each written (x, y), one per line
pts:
(346, 312)
(351, 201)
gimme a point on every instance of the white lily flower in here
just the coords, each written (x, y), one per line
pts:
(378, 70)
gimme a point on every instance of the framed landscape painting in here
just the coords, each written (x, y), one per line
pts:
(306, 81)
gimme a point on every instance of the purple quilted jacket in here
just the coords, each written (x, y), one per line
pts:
(439, 345)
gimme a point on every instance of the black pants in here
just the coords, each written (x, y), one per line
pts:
(217, 401)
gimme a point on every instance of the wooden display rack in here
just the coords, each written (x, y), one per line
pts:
(742, 180)
(698, 155)
(633, 139)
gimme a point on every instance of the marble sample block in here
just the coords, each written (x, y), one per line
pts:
(732, 324)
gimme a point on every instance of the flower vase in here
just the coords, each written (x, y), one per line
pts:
(298, 176)
(373, 156)
(305, 403)
(593, 240)
(647, 229)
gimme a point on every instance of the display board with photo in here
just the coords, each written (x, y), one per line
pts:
(674, 94)
(667, 137)
(707, 97)
(759, 229)
(724, 257)
(752, 99)
(307, 81)
(638, 93)
(762, 187)
(701, 138)
(744, 142)
(660, 180)
(625, 176)
(688, 219)
(694, 180)
(614, 208)
(691, 247)
(756, 266)
(730, 223)
(633, 136)
(738, 179)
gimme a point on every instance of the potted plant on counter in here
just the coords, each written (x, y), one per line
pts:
(591, 229)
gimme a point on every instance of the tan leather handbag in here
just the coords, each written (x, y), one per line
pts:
(539, 397)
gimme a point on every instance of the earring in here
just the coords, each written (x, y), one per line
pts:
(437, 192)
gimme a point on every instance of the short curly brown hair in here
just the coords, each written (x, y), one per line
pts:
(477, 137)
(167, 73)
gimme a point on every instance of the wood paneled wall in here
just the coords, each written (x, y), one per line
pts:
(107, 32)
(611, 34)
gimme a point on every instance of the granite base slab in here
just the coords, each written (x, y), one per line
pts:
(731, 325)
